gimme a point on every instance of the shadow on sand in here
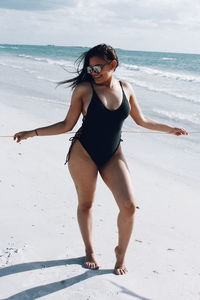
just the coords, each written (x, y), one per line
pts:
(44, 290)
(39, 265)
(129, 292)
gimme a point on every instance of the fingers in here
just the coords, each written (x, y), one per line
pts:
(18, 137)
(15, 137)
(180, 131)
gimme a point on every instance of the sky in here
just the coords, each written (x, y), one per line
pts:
(148, 25)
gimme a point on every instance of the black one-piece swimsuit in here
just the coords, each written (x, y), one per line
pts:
(100, 133)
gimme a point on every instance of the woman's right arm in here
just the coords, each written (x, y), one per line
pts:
(61, 127)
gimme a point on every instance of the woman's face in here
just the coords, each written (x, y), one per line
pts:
(106, 72)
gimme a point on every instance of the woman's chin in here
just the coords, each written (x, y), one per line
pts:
(100, 80)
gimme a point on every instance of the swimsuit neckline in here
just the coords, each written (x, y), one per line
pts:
(111, 110)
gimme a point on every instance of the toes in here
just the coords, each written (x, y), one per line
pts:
(96, 267)
(117, 271)
(86, 264)
(90, 265)
(120, 271)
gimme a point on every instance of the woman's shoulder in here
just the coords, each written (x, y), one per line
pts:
(83, 86)
(128, 88)
(126, 84)
(82, 89)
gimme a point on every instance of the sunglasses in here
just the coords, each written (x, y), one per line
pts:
(96, 68)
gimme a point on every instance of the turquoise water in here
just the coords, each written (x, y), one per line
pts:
(175, 74)
(167, 86)
(172, 75)
(163, 60)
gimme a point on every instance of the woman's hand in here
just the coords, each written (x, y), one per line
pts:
(23, 135)
(178, 131)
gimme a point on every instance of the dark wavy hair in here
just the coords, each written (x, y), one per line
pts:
(104, 51)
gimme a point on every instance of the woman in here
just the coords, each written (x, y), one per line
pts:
(104, 103)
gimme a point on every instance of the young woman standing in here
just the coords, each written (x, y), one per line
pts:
(105, 103)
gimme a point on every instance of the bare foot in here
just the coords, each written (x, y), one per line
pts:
(90, 262)
(120, 268)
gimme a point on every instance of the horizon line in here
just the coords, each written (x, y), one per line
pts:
(117, 48)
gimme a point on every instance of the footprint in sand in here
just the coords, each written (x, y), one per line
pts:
(7, 254)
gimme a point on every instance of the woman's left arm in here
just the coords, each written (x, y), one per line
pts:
(141, 120)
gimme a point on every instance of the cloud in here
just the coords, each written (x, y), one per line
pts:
(36, 4)
(132, 24)
(136, 13)
(151, 13)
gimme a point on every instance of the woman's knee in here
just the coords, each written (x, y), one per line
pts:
(85, 196)
(85, 206)
(128, 208)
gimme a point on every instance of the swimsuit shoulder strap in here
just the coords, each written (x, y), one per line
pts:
(91, 85)
(94, 93)
(93, 90)
(124, 95)
(121, 85)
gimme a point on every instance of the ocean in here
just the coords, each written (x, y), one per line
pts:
(167, 86)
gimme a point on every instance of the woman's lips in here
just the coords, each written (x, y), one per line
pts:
(97, 76)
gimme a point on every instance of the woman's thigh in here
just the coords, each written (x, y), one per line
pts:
(116, 175)
(83, 172)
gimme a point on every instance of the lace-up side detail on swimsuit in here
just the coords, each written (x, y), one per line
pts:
(100, 133)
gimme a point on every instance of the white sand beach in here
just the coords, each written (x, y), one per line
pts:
(41, 250)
